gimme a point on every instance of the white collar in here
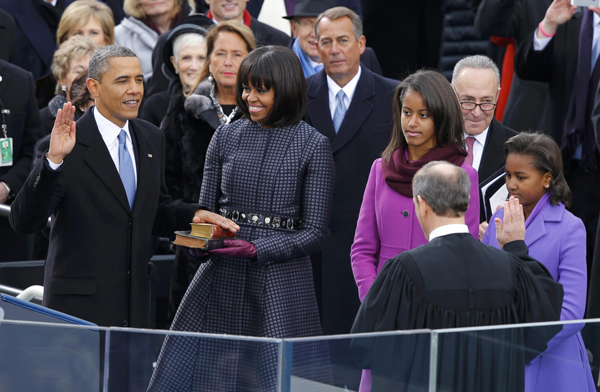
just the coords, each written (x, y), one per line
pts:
(349, 88)
(596, 19)
(109, 130)
(481, 137)
(448, 229)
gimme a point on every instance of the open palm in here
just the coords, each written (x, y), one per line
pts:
(560, 12)
(62, 139)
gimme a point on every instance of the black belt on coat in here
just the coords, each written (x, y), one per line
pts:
(261, 219)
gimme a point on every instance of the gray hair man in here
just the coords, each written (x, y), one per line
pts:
(476, 80)
(444, 283)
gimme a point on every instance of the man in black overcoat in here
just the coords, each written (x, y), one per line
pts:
(364, 129)
(102, 180)
(455, 281)
(19, 112)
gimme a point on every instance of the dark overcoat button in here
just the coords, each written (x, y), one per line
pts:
(405, 213)
(125, 323)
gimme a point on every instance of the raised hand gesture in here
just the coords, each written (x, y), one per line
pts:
(559, 13)
(62, 138)
(513, 227)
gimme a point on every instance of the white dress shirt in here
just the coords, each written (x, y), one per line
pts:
(349, 89)
(540, 44)
(478, 147)
(110, 134)
(448, 229)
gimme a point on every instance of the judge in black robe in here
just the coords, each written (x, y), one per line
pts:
(455, 281)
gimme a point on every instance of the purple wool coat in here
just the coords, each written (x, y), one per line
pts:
(556, 238)
(387, 225)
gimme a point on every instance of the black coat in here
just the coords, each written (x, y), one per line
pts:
(557, 65)
(155, 108)
(7, 35)
(454, 281)
(97, 264)
(516, 18)
(362, 137)
(17, 95)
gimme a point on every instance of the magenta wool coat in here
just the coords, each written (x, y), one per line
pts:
(556, 238)
(387, 225)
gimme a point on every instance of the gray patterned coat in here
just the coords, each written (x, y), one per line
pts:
(283, 171)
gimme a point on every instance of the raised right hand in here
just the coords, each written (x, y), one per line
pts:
(559, 13)
(513, 227)
(62, 138)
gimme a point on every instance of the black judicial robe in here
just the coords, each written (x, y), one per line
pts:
(455, 281)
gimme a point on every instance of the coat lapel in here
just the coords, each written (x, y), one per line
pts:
(535, 230)
(492, 157)
(358, 111)
(317, 107)
(98, 158)
(144, 164)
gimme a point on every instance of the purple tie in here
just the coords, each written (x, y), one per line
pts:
(470, 141)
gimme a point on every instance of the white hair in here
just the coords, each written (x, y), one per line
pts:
(187, 39)
(477, 62)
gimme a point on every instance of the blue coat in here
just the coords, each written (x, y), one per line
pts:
(556, 238)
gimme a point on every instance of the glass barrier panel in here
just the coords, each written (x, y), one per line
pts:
(365, 362)
(522, 357)
(140, 360)
(50, 357)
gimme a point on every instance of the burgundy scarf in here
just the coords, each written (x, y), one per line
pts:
(399, 171)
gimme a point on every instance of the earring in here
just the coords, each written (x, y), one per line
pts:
(547, 186)
(176, 72)
(63, 89)
(210, 77)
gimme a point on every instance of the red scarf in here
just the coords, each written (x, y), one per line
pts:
(399, 171)
(247, 17)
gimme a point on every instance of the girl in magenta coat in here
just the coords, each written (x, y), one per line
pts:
(428, 126)
(556, 238)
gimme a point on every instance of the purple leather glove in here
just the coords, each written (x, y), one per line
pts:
(236, 248)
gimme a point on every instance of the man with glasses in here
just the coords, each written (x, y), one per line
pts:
(476, 80)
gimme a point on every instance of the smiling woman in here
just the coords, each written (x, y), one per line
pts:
(274, 176)
(89, 18)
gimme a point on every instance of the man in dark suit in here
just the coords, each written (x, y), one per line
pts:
(304, 44)
(102, 180)
(352, 106)
(476, 80)
(444, 283)
(7, 35)
(19, 113)
(563, 51)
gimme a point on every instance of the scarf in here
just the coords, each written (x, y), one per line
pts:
(398, 172)
(307, 67)
(578, 123)
(247, 18)
(148, 22)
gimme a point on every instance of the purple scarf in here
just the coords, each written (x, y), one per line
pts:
(398, 172)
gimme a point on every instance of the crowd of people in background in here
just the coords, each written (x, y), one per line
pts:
(303, 126)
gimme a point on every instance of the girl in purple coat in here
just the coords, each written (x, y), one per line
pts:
(428, 126)
(556, 238)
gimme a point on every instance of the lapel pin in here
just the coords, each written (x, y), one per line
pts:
(0, 78)
(149, 155)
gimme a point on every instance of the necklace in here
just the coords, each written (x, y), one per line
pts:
(220, 113)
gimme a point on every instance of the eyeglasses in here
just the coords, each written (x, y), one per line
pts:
(307, 23)
(486, 106)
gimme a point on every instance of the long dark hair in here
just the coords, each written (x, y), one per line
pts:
(442, 103)
(277, 68)
(545, 157)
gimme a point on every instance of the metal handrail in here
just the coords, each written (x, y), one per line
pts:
(5, 210)
(33, 295)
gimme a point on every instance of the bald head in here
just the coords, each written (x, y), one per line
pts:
(444, 186)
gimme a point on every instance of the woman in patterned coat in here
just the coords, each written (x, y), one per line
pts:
(273, 175)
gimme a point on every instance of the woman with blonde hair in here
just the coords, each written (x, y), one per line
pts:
(147, 19)
(89, 18)
(70, 61)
